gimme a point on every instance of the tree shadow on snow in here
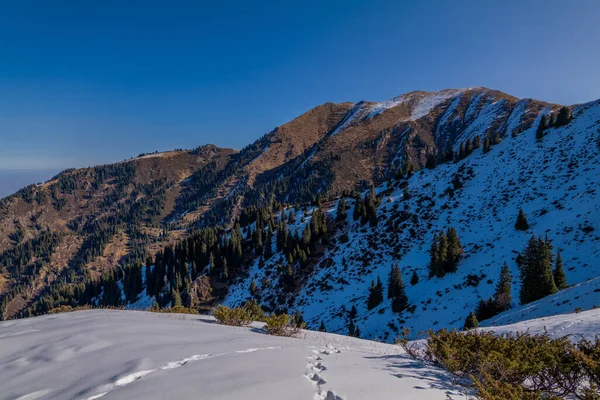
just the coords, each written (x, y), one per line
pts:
(402, 366)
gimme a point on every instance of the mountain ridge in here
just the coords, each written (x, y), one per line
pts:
(327, 151)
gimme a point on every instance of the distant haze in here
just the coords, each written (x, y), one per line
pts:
(13, 180)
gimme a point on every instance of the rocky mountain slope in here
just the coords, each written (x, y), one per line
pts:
(554, 180)
(85, 222)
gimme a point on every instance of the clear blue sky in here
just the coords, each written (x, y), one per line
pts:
(85, 82)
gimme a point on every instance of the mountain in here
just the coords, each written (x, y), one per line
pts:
(92, 235)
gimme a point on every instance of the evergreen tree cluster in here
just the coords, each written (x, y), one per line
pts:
(500, 301)
(445, 253)
(365, 209)
(539, 270)
(562, 118)
(353, 329)
(375, 296)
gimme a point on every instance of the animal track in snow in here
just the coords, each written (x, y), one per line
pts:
(127, 379)
(315, 370)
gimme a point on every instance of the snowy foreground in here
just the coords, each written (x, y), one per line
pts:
(141, 355)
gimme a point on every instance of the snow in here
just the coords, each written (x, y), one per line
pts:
(349, 118)
(577, 326)
(424, 103)
(109, 354)
(555, 181)
(583, 296)
(431, 101)
(516, 116)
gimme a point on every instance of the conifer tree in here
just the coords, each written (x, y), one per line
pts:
(502, 296)
(521, 224)
(486, 145)
(430, 162)
(322, 327)
(225, 273)
(435, 264)
(471, 321)
(175, 298)
(353, 312)
(396, 290)
(414, 278)
(351, 328)
(298, 319)
(253, 288)
(559, 273)
(358, 209)
(564, 116)
(539, 133)
(496, 139)
(535, 267)
(375, 294)
(477, 142)
(454, 251)
(341, 210)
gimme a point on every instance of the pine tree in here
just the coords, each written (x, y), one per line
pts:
(298, 319)
(477, 142)
(564, 116)
(351, 328)
(535, 266)
(502, 296)
(435, 264)
(521, 224)
(322, 327)
(471, 322)
(341, 210)
(430, 162)
(455, 250)
(486, 145)
(225, 273)
(539, 133)
(379, 291)
(253, 288)
(375, 294)
(396, 290)
(496, 139)
(414, 278)
(175, 298)
(353, 312)
(559, 274)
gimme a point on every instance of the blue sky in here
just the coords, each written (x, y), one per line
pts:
(84, 83)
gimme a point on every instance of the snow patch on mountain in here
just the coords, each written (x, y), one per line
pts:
(555, 181)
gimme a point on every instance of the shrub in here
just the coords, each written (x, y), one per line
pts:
(255, 311)
(517, 366)
(282, 325)
(238, 316)
(176, 310)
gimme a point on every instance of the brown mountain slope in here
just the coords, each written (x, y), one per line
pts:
(86, 221)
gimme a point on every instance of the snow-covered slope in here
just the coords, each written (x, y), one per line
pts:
(555, 181)
(139, 355)
(577, 326)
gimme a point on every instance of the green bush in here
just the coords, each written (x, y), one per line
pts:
(516, 366)
(239, 316)
(175, 310)
(282, 325)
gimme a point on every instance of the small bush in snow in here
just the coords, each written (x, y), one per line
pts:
(239, 316)
(282, 325)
